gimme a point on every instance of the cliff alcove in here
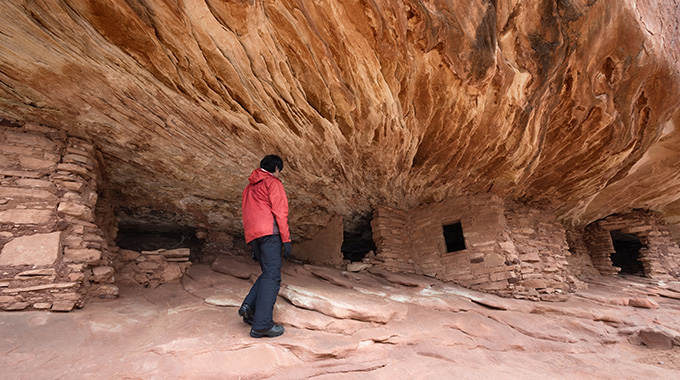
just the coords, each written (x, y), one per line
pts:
(541, 120)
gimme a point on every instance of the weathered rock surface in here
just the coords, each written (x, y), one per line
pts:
(193, 331)
(570, 103)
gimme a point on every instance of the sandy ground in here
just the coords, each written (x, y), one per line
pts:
(345, 326)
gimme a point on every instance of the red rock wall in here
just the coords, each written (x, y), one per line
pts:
(391, 237)
(511, 249)
(660, 255)
(50, 247)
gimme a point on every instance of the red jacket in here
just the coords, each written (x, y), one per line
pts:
(264, 199)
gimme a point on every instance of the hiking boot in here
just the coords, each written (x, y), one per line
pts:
(247, 313)
(275, 330)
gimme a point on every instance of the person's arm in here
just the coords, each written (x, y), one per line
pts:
(280, 209)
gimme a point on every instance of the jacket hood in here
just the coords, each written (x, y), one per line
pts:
(258, 175)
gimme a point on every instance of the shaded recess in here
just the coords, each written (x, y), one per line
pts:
(140, 238)
(357, 238)
(627, 253)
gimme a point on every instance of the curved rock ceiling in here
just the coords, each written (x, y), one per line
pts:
(572, 104)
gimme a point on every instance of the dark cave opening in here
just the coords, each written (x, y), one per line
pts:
(139, 238)
(357, 238)
(627, 253)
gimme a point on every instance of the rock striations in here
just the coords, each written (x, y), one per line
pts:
(573, 104)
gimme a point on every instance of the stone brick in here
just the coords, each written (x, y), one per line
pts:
(502, 276)
(179, 252)
(536, 284)
(494, 260)
(82, 255)
(32, 163)
(75, 209)
(103, 274)
(76, 277)
(19, 173)
(64, 305)
(19, 193)
(59, 285)
(16, 306)
(104, 291)
(75, 169)
(171, 273)
(39, 249)
(26, 216)
(43, 274)
(34, 183)
(148, 266)
(78, 158)
(128, 255)
(71, 185)
(530, 257)
(30, 139)
(9, 299)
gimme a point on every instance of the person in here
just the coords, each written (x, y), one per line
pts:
(265, 223)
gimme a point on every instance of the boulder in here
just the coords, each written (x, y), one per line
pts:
(655, 338)
(644, 303)
(338, 303)
(235, 266)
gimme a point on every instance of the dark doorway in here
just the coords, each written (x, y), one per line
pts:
(627, 255)
(453, 235)
(357, 237)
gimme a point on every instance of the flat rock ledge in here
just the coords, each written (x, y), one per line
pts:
(345, 325)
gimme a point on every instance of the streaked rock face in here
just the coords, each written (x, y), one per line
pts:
(573, 104)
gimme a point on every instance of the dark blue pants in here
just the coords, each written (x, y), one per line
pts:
(262, 295)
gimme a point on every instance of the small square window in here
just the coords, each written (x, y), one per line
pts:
(453, 235)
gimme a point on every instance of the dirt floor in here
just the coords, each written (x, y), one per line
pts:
(342, 325)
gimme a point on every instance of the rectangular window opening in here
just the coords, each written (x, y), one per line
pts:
(453, 235)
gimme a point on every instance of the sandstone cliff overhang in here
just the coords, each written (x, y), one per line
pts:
(572, 104)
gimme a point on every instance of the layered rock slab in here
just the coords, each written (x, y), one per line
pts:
(169, 332)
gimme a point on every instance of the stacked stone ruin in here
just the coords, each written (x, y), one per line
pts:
(57, 231)
(151, 268)
(512, 248)
(53, 254)
(660, 255)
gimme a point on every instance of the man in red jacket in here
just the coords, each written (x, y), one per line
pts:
(265, 222)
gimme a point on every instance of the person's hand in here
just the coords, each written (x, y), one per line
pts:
(287, 249)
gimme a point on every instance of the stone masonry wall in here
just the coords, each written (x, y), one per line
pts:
(391, 236)
(660, 255)
(542, 251)
(513, 251)
(50, 247)
(580, 262)
(487, 263)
